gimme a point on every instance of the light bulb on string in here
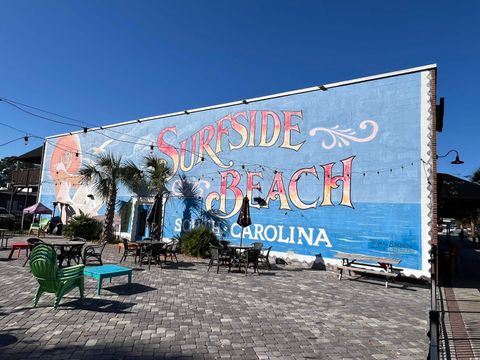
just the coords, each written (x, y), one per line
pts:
(26, 139)
(85, 130)
(151, 149)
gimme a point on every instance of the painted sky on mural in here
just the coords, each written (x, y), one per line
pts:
(111, 61)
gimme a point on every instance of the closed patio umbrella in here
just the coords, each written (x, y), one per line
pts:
(154, 218)
(244, 219)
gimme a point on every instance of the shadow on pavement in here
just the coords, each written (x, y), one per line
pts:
(129, 289)
(7, 339)
(98, 305)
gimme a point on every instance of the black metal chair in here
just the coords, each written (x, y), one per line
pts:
(226, 250)
(32, 242)
(257, 245)
(263, 257)
(94, 252)
(130, 249)
(170, 250)
(219, 257)
(151, 251)
(74, 253)
(250, 257)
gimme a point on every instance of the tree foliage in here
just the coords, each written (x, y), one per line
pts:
(83, 226)
(152, 181)
(105, 174)
(197, 241)
(476, 176)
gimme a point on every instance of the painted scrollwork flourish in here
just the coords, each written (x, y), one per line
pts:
(340, 137)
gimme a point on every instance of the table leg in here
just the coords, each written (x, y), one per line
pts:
(11, 253)
(129, 278)
(99, 285)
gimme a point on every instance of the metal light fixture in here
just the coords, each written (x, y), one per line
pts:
(457, 160)
(260, 201)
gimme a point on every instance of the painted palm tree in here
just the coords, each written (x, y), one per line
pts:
(150, 182)
(105, 174)
(192, 202)
(190, 196)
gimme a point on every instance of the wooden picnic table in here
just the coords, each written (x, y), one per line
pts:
(368, 264)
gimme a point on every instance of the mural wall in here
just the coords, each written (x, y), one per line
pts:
(340, 170)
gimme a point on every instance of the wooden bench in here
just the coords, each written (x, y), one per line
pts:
(383, 266)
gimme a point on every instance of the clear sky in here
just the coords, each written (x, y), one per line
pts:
(104, 62)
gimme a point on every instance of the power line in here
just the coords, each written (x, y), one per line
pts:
(37, 115)
(77, 151)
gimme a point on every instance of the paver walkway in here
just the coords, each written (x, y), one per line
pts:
(186, 313)
(460, 337)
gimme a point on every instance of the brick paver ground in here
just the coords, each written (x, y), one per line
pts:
(460, 303)
(183, 312)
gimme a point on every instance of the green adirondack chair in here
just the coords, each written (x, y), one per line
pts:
(52, 279)
(39, 227)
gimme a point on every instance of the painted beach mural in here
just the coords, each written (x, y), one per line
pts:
(343, 167)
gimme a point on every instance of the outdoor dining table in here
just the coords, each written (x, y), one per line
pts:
(64, 246)
(144, 243)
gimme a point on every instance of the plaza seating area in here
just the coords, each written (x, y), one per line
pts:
(179, 309)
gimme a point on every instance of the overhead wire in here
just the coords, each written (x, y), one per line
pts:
(100, 130)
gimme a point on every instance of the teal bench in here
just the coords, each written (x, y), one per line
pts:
(107, 272)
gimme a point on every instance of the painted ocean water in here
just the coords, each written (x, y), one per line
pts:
(377, 229)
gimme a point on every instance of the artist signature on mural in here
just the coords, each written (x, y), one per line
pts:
(341, 137)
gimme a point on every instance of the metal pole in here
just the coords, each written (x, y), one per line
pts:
(433, 314)
(241, 236)
(164, 205)
(26, 199)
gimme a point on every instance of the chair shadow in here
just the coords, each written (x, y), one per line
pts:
(7, 339)
(271, 273)
(129, 289)
(98, 305)
(181, 265)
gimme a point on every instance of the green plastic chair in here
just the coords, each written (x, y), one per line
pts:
(52, 279)
(39, 227)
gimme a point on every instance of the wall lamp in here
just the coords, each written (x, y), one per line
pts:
(457, 160)
(260, 201)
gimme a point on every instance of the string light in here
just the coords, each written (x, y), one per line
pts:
(85, 130)
(25, 139)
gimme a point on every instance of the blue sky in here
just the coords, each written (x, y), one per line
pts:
(109, 61)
